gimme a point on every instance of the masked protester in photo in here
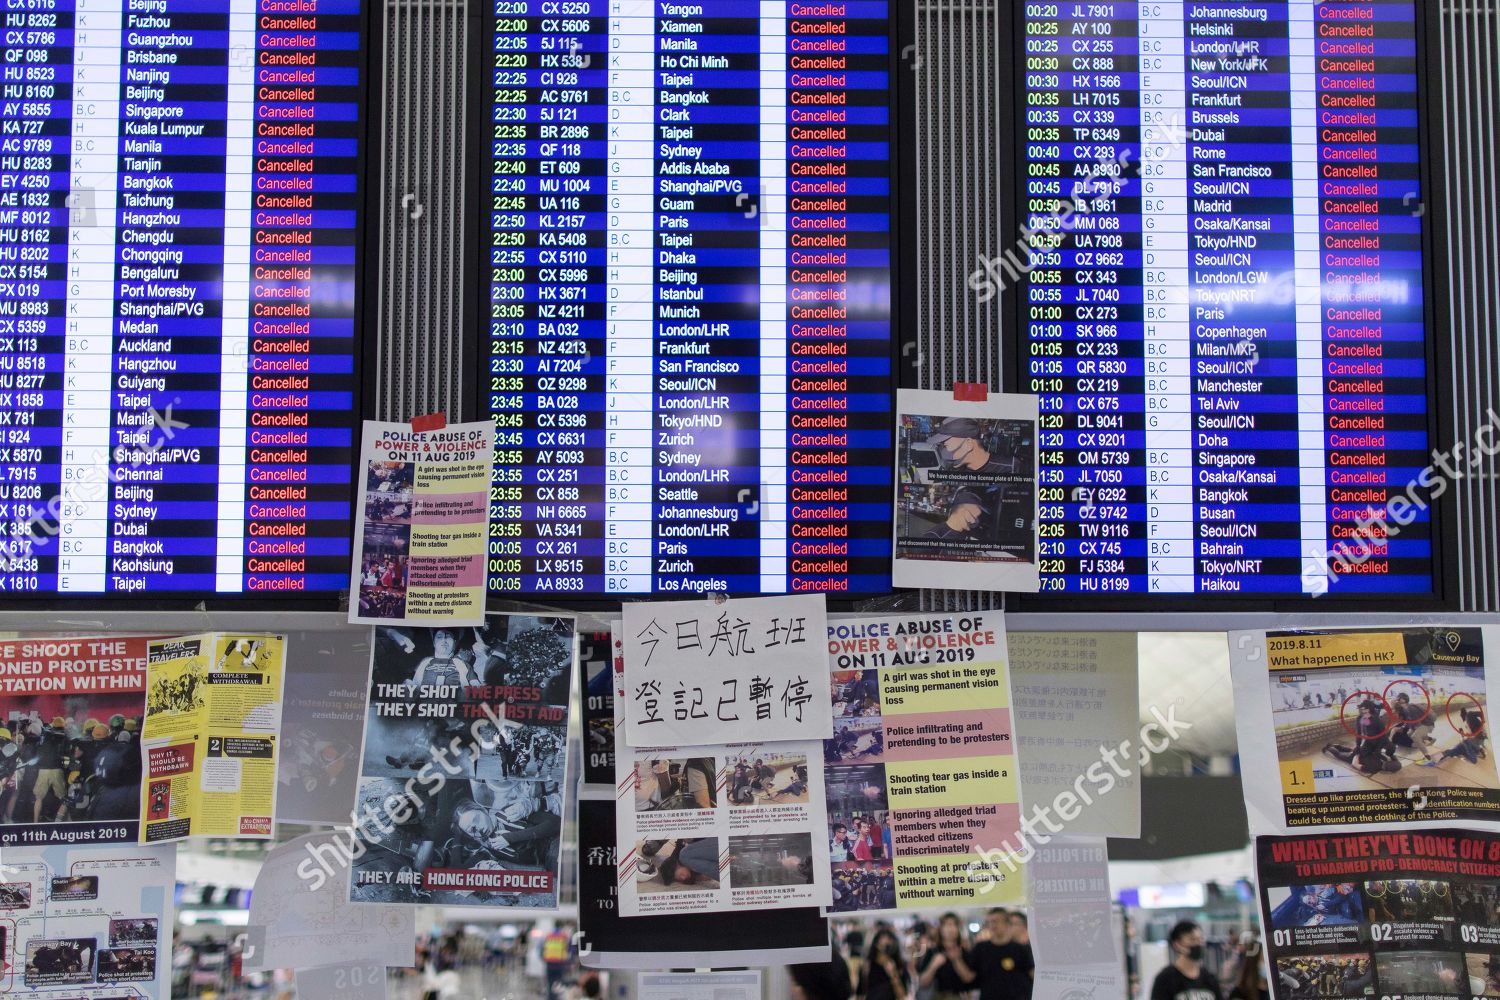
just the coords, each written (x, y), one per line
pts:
(1185, 978)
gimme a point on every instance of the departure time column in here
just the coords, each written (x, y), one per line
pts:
(1083, 300)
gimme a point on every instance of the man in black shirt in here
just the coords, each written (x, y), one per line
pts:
(1004, 966)
(1185, 978)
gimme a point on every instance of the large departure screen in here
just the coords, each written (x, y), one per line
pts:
(1226, 319)
(687, 321)
(179, 199)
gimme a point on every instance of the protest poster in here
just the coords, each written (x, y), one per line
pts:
(423, 524)
(1072, 918)
(726, 671)
(718, 826)
(1365, 727)
(765, 937)
(464, 764)
(70, 757)
(597, 682)
(87, 921)
(300, 922)
(323, 719)
(966, 492)
(1409, 914)
(923, 792)
(1076, 696)
(208, 745)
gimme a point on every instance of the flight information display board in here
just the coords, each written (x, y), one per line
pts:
(1224, 311)
(687, 321)
(179, 206)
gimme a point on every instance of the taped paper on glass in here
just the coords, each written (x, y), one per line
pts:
(70, 753)
(966, 492)
(88, 921)
(323, 721)
(718, 827)
(1077, 716)
(1366, 728)
(766, 937)
(1381, 914)
(301, 916)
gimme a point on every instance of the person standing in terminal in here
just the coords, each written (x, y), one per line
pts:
(948, 966)
(1185, 978)
(1003, 964)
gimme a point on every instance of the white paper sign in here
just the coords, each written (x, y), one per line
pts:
(342, 982)
(1075, 696)
(700, 672)
(719, 827)
(966, 496)
(301, 918)
(698, 985)
(1092, 982)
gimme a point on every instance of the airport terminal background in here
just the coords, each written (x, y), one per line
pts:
(369, 284)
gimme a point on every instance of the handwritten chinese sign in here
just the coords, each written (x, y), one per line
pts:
(698, 672)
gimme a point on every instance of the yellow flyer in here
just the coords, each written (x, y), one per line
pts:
(213, 710)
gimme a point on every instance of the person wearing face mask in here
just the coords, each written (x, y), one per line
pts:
(884, 975)
(1185, 978)
(968, 515)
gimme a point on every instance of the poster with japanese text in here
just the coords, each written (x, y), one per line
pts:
(87, 922)
(464, 763)
(966, 492)
(1365, 727)
(724, 671)
(923, 791)
(718, 826)
(70, 726)
(423, 524)
(1077, 698)
(209, 743)
(1409, 914)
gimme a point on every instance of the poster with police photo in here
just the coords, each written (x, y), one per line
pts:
(460, 796)
(70, 731)
(966, 492)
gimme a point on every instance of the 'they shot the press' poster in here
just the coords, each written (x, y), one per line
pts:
(1409, 914)
(462, 772)
(1365, 727)
(923, 794)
